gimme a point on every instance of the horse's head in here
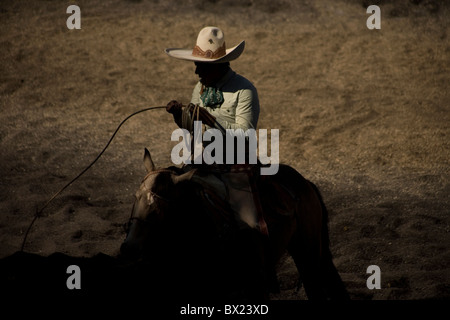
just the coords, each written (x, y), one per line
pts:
(153, 201)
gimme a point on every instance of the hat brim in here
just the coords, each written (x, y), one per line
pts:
(186, 54)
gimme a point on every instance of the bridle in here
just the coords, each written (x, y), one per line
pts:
(151, 193)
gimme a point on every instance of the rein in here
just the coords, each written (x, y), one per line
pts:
(38, 212)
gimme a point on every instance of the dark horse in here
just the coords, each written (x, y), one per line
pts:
(200, 249)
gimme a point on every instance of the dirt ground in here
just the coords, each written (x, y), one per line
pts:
(362, 113)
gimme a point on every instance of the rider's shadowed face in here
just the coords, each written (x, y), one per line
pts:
(210, 73)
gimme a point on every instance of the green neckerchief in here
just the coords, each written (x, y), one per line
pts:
(211, 96)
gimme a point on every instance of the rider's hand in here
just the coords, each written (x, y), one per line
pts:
(174, 107)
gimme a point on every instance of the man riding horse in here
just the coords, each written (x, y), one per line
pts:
(226, 100)
(224, 218)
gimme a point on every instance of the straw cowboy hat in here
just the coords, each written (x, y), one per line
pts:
(210, 47)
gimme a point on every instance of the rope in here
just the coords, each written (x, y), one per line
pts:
(39, 212)
(187, 120)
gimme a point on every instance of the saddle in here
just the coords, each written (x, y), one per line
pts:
(236, 195)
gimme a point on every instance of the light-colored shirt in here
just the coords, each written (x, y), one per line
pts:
(240, 109)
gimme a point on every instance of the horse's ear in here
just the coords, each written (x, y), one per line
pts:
(148, 162)
(184, 177)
